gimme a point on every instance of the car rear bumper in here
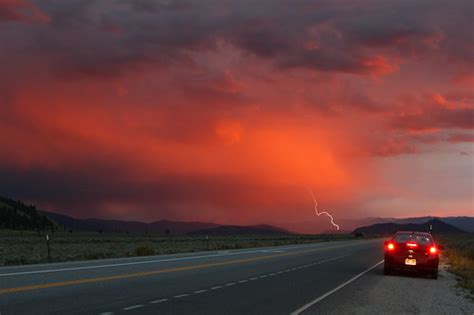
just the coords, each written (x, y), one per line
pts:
(421, 264)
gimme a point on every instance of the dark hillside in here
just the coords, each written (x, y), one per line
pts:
(15, 215)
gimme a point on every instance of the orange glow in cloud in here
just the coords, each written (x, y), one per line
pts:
(379, 66)
(229, 131)
(232, 124)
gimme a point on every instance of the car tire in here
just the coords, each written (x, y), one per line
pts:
(434, 274)
(386, 269)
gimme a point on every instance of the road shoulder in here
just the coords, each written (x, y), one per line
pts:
(398, 294)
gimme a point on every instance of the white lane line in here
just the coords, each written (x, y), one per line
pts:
(263, 276)
(242, 281)
(254, 278)
(124, 264)
(200, 291)
(296, 247)
(330, 259)
(132, 307)
(180, 296)
(107, 313)
(216, 287)
(325, 295)
(158, 301)
(230, 284)
(272, 274)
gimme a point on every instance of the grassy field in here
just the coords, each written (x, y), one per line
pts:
(17, 248)
(459, 251)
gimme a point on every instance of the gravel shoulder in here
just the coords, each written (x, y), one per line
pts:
(401, 293)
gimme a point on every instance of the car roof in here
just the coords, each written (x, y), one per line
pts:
(413, 232)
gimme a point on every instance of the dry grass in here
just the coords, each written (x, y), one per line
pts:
(27, 247)
(459, 250)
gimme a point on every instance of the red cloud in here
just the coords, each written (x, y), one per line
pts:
(379, 65)
(434, 112)
(21, 10)
(231, 116)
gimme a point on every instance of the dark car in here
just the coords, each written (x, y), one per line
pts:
(412, 251)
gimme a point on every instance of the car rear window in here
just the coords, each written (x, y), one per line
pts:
(420, 239)
(402, 238)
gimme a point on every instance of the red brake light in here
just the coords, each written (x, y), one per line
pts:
(412, 244)
(390, 246)
(433, 250)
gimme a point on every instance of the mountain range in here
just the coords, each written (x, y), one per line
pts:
(16, 215)
(133, 227)
(464, 223)
(434, 226)
(160, 227)
(379, 226)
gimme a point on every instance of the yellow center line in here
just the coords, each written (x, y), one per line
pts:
(151, 273)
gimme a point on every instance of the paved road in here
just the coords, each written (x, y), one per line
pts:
(276, 280)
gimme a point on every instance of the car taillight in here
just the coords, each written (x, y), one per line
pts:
(433, 250)
(412, 244)
(390, 246)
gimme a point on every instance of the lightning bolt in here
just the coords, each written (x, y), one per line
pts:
(323, 212)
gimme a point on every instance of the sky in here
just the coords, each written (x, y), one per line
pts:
(232, 111)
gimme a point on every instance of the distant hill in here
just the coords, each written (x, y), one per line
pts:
(227, 230)
(464, 223)
(15, 215)
(439, 227)
(160, 227)
(336, 232)
(133, 227)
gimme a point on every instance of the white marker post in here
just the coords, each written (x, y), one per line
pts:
(47, 245)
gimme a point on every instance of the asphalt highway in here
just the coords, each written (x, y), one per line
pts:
(275, 280)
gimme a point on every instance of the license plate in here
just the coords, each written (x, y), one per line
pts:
(410, 262)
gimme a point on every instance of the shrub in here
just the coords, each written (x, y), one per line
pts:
(144, 250)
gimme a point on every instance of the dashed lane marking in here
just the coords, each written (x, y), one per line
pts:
(225, 285)
(200, 291)
(132, 307)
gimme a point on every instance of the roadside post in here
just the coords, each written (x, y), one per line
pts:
(47, 245)
(207, 242)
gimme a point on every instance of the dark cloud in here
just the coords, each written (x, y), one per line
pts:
(393, 146)
(461, 137)
(88, 191)
(9, 11)
(435, 118)
(21, 11)
(367, 38)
